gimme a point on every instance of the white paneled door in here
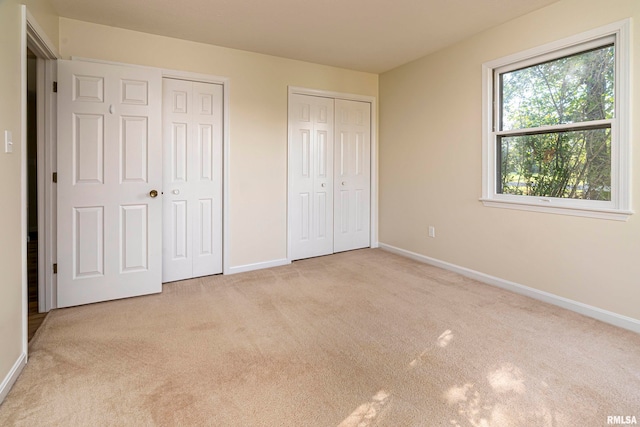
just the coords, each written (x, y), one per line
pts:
(329, 175)
(109, 182)
(192, 181)
(352, 183)
(311, 121)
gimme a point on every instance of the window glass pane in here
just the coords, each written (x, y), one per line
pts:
(574, 165)
(576, 88)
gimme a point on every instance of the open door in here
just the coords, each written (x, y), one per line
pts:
(109, 182)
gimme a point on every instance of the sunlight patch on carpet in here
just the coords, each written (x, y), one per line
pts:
(366, 414)
(458, 394)
(443, 340)
(507, 378)
(502, 399)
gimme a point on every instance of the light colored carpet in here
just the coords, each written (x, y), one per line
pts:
(363, 338)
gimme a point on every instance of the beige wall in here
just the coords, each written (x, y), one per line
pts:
(11, 215)
(10, 249)
(430, 171)
(258, 109)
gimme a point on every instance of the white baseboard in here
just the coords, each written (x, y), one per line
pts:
(587, 310)
(258, 266)
(12, 376)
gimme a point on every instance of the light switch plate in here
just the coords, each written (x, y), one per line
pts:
(8, 141)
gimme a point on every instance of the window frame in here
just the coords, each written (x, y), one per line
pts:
(618, 208)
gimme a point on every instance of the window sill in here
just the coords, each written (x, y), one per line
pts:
(610, 214)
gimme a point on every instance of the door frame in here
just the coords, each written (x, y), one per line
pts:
(46, 153)
(374, 154)
(35, 38)
(47, 55)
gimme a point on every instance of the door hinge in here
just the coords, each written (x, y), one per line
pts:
(55, 268)
(55, 177)
(55, 87)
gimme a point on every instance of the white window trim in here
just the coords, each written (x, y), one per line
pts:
(619, 208)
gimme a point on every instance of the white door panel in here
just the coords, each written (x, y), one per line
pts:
(177, 259)
(352, 183)
(192, 114)
(311, 176)
(109, 228)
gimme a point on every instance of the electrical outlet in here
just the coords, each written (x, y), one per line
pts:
(432, 231)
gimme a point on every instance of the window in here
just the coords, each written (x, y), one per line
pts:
(556, 121)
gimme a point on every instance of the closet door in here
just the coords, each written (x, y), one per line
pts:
(192, 181)
(311, 121)
(352, 182)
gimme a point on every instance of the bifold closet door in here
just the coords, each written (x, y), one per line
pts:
(329, 175)
(192, 179)
(109, 181)
(311, 121)
(352, 175)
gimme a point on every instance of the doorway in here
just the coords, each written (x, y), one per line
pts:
(35, 315)
(38, 165)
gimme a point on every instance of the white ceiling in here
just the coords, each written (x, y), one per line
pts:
(366, 35)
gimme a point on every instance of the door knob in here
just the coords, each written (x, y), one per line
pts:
(344, 183)
(153, 194)
(323, 185)
(176, 192)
